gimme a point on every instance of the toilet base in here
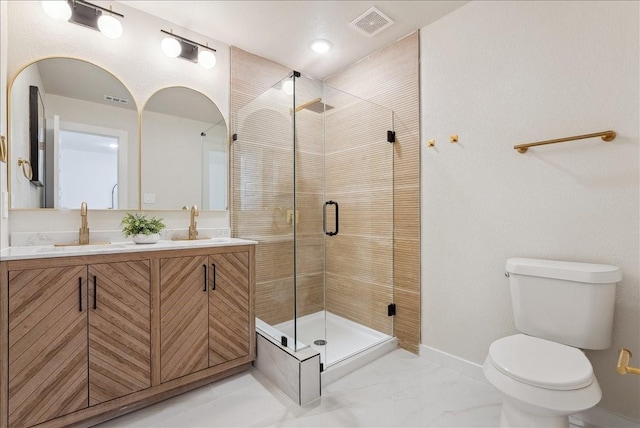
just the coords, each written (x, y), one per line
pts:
(515, 414)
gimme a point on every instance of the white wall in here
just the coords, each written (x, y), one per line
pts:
(172, 143)
(504, 73)
(135, 59)
(4, 224)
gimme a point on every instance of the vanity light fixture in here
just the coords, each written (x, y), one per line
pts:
(175, 46)
(86, 14)
(320, 46)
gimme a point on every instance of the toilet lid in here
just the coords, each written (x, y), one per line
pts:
(541, 363)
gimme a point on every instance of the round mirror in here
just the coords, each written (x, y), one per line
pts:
(74, 131)
(184, 152)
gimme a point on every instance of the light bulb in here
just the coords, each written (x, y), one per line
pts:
(109, 26)
(171, 47)
(57, 9)
(320, 46)
(206, 58)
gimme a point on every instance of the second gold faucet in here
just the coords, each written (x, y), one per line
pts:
(193, 232)
(83, 237)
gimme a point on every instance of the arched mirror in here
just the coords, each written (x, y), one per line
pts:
(74, 131)
(184, 152)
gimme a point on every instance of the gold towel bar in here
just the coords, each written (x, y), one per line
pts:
(605, 135)
(623, 363)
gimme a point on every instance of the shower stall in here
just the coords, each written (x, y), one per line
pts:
(312, 181)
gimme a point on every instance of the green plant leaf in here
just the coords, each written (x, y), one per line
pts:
(136, 224)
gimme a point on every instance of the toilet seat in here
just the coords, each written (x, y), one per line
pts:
(541, 363)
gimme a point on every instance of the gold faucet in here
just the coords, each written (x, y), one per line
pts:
(84, 227)
(192, 223)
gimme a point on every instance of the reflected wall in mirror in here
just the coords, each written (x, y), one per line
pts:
(184, 151)
(90, 152)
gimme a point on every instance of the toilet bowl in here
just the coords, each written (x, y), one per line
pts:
(542, 382)
(561, 307)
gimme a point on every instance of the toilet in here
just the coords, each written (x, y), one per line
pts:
(560, 308)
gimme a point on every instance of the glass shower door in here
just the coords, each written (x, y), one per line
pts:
(352, 236)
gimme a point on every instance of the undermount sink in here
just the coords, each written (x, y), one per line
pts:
(76, 244)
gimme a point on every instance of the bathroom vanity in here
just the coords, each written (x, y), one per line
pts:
(96, 331)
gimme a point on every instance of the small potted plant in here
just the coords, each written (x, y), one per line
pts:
(143, 230)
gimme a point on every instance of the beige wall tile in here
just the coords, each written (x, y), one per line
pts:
(369, 259)
(407, 319)
(363, 213)
(406, 212)
(360, 301)
(406, 272)
(274, 300)
(310, 294)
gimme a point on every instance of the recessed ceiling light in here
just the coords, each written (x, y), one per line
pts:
(320, 45)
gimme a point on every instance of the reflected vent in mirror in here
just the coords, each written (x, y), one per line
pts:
(116, 99)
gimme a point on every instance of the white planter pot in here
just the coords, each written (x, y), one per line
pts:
(146, 239)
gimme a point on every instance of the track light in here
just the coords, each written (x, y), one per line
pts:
(175, 46)
(86, 14)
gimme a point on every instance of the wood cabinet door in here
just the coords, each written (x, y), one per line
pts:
(229, 324)
(119, 329)
(183, 316)
(47, 344)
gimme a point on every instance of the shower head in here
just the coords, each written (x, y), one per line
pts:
(315, 105)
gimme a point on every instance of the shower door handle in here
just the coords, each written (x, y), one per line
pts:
(324, 218)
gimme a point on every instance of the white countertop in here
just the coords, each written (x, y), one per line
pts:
(46, 251)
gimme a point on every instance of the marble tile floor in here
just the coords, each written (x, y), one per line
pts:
(399, 389)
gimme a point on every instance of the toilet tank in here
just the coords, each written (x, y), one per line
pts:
(565, 302)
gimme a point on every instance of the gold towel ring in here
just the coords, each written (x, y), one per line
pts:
(3, 149)
(26, 168)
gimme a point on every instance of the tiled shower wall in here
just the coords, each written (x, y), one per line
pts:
(359, 177)
(262, 187)
(389, 78)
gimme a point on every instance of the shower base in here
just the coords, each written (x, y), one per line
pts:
(344, 339)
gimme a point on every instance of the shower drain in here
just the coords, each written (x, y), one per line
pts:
(320, 342)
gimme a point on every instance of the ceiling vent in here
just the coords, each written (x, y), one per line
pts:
(371, 22)
(116, 99)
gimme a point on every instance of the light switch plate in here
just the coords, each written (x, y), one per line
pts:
(149, 198)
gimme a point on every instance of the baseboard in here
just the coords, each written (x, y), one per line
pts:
(451, 361)
(596, 417)
(341, 369)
